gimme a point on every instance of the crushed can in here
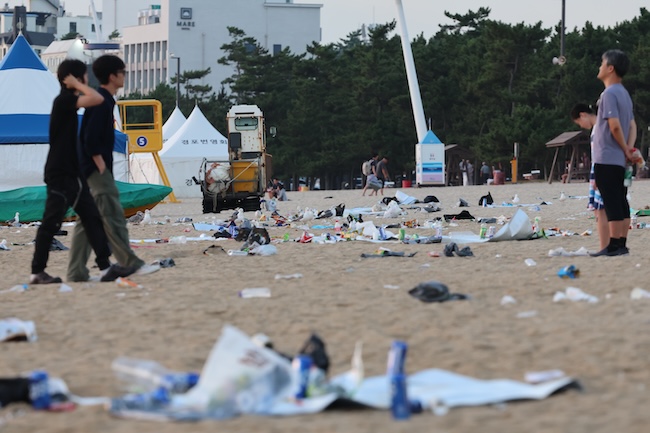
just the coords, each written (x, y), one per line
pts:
(301, 365)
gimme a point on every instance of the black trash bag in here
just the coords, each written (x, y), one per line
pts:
(435, 291)
(487, 198)
(464, 215)
(257, 236)
(452, 248)
(387, 200)
(315, 348)
(222, 232)
(243, 234)
(431, 198)
(339, 209)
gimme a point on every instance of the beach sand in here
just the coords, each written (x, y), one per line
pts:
(179, 314)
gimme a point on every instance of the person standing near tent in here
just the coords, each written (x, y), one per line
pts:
(95, 151)
(65, 188)
(485, 173)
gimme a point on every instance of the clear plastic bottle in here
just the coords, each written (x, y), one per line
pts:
(627, 181)
(149, 375)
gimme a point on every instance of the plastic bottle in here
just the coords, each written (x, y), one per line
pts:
(237, 253)
(149, 375)
(178, 240)
(259, 292)
(627, 181)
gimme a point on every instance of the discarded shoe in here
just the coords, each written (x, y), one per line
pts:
(450, 248)
(435, 291)
(56, 245)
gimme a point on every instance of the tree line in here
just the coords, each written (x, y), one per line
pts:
(485, 85)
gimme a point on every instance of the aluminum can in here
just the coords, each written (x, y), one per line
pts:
(39, 392)
(491, 231)
(301, 365)
(396, 358)
(400, 406)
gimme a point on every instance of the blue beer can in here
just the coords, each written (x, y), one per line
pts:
(39, 391)
(301, 365)
(396, 358)
(400, 407)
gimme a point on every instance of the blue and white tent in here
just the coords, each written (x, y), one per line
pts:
(27, 90)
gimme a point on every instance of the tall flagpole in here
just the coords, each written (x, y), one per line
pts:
(411, 75)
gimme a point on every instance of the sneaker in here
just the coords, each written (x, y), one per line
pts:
(623, 251)
(116, 271)
(603, 252)
(147, 269)
(44, 278)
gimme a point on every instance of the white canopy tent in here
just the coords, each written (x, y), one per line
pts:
(182, 155)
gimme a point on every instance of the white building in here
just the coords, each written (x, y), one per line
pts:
(195, 30)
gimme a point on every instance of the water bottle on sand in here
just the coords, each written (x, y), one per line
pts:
(149, 375)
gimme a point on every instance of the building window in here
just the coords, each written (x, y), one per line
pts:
(92, 28)
(276, 49)
(157, 50)
(73, 27)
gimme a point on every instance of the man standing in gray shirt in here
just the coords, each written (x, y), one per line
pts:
(610, 148)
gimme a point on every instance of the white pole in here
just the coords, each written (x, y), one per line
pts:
(98, 29)
(411, 75)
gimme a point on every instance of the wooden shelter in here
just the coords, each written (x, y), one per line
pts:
(575, 139)
(453, 154)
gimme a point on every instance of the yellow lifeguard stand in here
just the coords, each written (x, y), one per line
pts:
(142, 122)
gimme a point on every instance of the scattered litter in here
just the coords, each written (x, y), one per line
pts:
(166, 263)
(543, 376)
(452, 248)
(56, 245)
(287, 276)
(3, 245)
(13, 329)
(562, 252)
(507, 299)
(65, 288)
(264, 250)
(383, 252)
(435, 291)
(184, 220)
(390, 286)
(569, 272)
(212, 249)
(639, 293)
(574, 294)
(125, 282)
(258, 292)
(16, 288)
(530, 262)
(237, 253)
(527, 314)
(178, 240)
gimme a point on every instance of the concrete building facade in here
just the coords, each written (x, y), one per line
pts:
(192, 32)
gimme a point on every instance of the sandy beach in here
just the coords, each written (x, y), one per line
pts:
(178, 315)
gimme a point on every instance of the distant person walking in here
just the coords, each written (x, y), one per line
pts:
(370, 172)
(382, 172)
(65, 187)
(95, 148)
(470, 173)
